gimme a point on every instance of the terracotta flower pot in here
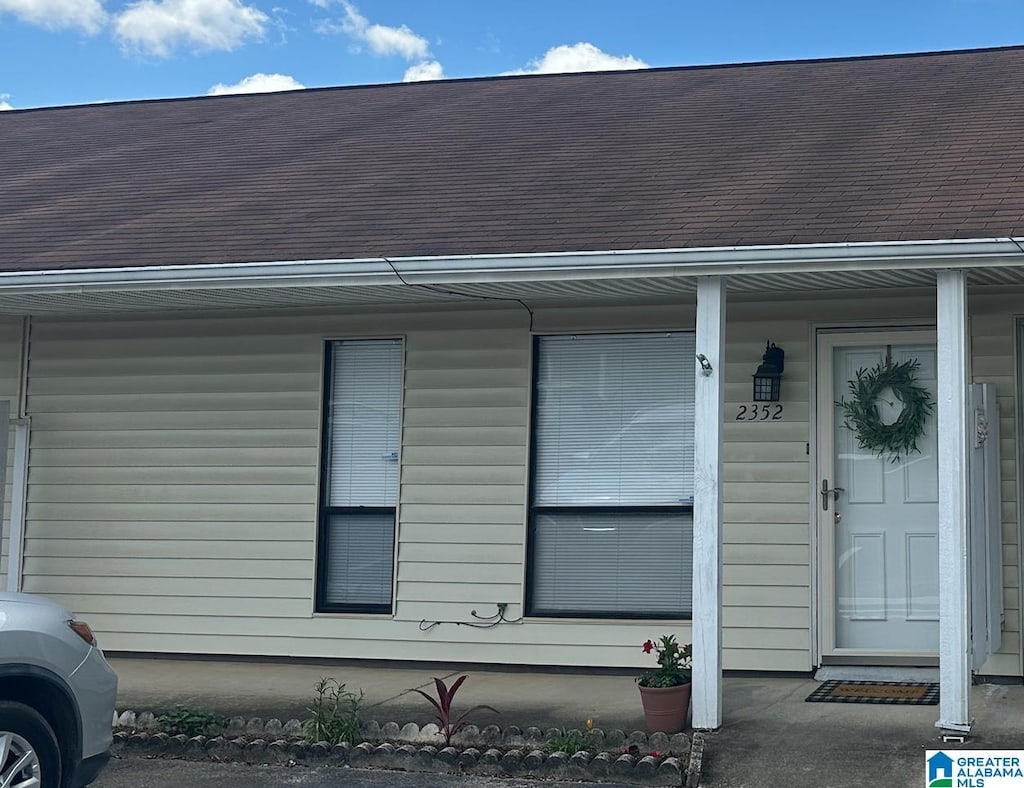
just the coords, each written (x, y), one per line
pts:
(665, 708)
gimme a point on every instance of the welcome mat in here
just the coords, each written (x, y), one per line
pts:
(911, 693)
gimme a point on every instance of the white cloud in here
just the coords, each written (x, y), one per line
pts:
(158, 27)
(257, 83)
(422, 72)
(396, 41)
(381, 39)
(583, 56)
(86, 15)
(4, 105)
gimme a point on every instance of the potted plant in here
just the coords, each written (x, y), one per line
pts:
(665, 692)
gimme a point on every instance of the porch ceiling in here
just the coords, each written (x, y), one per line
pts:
(109, 299)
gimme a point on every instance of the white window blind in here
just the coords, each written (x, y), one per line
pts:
(624, 564)
(364, 422)
(614, 434)
(614, 420)
(360, 557)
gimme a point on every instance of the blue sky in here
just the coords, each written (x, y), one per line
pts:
(75, 51)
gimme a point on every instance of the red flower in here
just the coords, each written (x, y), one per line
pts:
(648, 647)
(655, 754)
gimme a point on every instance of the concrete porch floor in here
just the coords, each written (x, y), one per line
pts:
(770, 736)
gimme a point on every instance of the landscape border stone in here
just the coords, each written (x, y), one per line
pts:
(633, 757)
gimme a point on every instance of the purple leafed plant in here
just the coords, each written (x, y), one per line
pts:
(450, 724)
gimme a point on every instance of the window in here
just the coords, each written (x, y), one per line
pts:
(359, 487)
(612, 494)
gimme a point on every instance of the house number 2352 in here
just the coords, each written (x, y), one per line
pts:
(771, 412)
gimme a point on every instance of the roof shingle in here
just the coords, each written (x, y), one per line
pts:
(865, 149)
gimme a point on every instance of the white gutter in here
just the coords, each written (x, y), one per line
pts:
(729, 261)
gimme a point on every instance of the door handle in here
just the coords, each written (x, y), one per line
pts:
(826, 492)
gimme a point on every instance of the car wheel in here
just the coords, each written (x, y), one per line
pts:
(29, 755)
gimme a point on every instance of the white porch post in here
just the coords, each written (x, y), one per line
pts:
(954, 629)
(707, 504)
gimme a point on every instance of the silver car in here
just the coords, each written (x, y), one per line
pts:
(57, 696)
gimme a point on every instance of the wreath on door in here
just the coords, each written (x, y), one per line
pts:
(861, 412)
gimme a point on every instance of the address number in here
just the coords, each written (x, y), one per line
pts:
(771, 412)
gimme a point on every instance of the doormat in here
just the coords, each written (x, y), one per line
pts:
(910, 693)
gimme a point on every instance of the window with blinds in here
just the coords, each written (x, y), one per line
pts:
(612, 501)
(362, 431)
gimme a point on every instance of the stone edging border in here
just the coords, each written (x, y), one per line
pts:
(412, 748)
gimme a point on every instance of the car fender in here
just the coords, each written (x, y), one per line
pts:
(61, 688)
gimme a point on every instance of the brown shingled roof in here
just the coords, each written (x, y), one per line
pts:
(865, 149)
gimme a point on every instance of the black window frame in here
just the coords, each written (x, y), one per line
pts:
(324, 509)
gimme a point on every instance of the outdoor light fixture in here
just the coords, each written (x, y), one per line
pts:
(768, 378)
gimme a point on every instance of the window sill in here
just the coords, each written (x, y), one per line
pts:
(352, 614)
(659, 622)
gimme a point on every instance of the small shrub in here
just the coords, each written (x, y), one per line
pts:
(191, 722)
(335, 714)
(572, 741)
(446, 719)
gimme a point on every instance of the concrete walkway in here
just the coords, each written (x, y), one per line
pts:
(770, 736)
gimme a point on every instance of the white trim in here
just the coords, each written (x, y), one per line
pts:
(707, 505)
(814, 547)
(703, 261)
(823, 522)
(19, 488)
(953, 448)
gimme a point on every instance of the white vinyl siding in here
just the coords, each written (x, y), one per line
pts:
(766, 551)
(175, 466)
(362, 436)
(612, 522)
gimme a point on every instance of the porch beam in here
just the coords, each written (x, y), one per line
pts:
(953, 446)
(707, 503)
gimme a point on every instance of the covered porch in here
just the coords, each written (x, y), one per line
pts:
(703, 287)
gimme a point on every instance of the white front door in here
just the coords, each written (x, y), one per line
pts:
(878, 519)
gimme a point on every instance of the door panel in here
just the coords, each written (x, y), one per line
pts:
(865, 563)
(922, 576)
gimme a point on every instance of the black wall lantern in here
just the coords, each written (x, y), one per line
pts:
(768, 378)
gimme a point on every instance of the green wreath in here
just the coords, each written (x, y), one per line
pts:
(861, 416)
